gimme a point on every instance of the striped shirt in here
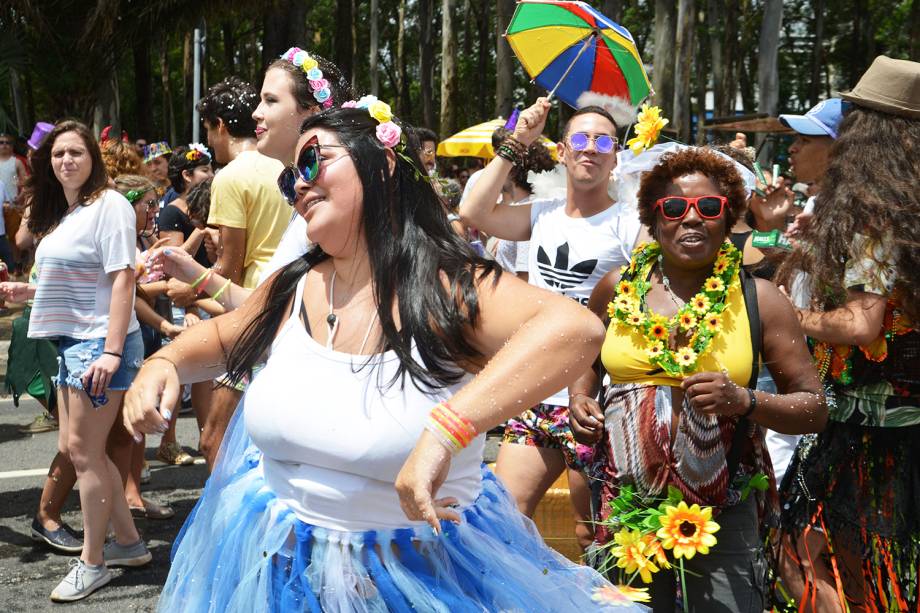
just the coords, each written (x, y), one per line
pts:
(74, 261)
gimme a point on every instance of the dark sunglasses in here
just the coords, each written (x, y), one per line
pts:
(306, 168)
(5, 142)
(602, 142)
(676, 207)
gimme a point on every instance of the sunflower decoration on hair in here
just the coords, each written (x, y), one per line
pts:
(648, 129)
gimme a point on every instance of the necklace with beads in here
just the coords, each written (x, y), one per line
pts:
(700, 318)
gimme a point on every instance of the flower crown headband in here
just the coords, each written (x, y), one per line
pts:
(306, 62)
(388, 132)
(196, 151)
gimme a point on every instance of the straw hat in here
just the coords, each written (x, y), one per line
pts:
(890, 86)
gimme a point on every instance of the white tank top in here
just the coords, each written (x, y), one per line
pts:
(333, 442)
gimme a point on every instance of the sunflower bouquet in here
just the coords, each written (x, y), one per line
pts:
(651, 534)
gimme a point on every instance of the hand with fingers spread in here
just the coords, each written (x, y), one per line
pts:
(715, 393)
(586, 419)
(97, 377)
(174, 262)
(418, 482)
(532, 121)
(155, 388)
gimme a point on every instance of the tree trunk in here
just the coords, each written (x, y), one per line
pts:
(703, 69)
(448, 69)
(426, 63)
(730, 59)
(613, 9)
(374, 49)
(403, 103)
(817, 54)
(684, 52)
(767, 66)
(663, 63)
(714, 17)
(343, 50)
(169, 118)
(18, 108)
(188, 81)
(482, 63)
(229, 37)
(914, 21)
(504, 59)
(143, 90)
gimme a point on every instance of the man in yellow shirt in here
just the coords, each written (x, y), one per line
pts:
(248, 209)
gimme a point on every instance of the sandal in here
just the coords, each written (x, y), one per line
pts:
(152, 510)
(173, 454)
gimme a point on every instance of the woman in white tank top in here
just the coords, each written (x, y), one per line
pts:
(347, 482)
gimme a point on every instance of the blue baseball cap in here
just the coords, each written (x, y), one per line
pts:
(822, 120)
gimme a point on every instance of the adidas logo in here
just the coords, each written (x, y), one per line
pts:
(558, 274)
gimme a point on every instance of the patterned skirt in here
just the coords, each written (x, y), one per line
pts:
(858, 487)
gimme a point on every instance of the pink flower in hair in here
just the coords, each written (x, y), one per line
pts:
(351, 104)
(388, 133)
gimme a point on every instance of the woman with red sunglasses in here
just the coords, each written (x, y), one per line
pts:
(688, 331)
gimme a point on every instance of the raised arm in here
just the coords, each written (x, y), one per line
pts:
(858, 322)
(480, 208)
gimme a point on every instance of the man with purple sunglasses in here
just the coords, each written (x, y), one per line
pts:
(574, 242)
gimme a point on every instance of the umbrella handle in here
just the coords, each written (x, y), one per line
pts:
(584, 48)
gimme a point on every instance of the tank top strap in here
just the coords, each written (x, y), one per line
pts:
(298, 297)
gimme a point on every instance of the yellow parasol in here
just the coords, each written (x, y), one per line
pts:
(477, 142)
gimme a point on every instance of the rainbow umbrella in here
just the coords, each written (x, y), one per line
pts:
(570, 48)
(476, 142)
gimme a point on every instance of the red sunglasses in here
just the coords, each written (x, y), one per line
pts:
(676, 207)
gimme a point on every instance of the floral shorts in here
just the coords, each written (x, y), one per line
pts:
(547, 426)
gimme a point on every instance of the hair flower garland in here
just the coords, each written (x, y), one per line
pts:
(388, 132)
(320, 86)
(196, 151)
(700, 319)
(647, 129)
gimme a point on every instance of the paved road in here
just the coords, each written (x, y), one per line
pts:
(29, 571)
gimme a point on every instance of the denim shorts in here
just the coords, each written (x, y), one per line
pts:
(75, 355)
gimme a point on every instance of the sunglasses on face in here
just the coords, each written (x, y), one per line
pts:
(306, 167)
(5, 142)
(602, 142)
(676, 207)
(149, 204)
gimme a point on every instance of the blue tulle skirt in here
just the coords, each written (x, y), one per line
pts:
(243, 550)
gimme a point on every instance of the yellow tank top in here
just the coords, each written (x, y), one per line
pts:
(625, 359)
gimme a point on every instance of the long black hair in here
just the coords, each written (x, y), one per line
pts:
(416, 260)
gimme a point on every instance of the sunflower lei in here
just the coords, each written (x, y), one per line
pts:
(700, 319)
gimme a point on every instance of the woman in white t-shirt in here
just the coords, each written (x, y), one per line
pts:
(85, 301)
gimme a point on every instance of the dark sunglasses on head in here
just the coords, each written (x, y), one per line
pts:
(306, 167)
(676, 207)
(602, 142)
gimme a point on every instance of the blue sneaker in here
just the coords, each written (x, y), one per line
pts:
(63, 539)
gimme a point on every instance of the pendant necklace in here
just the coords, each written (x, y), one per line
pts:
(332, 321)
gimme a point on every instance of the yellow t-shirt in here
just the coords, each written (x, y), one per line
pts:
(245, 195)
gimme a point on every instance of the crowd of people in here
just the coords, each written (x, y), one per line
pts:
(347, 324)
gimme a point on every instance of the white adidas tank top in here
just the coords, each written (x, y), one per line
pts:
(333, 437)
